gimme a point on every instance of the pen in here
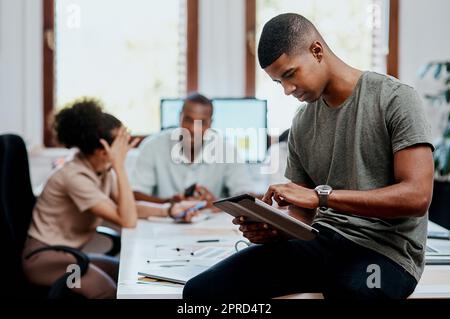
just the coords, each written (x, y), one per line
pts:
(208, 241)
(439, 235)
(167, 261)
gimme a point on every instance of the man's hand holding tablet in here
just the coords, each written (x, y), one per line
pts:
(262, 223)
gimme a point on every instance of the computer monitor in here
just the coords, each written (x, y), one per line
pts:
(242, 121)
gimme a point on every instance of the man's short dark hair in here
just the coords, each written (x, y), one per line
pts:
(284, 34)
(198, 99)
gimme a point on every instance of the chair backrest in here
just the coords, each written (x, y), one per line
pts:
(16, 205)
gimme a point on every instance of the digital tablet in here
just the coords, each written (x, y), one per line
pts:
(258, 211)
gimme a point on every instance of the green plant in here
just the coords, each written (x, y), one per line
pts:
(438, 68)
(442, 154)
(439, 95)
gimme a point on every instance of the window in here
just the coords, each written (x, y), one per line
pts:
(129, 54)
(356, 30)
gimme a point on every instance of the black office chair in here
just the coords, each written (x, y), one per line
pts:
(439, 211)
(16, 205)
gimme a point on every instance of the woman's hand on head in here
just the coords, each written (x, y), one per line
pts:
(119, 148)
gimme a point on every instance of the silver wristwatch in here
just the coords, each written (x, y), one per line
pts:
(323, 191)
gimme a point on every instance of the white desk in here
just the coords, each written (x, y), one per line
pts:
(158, 240)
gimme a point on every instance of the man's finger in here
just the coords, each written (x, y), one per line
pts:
(254, 227)
(261, 232)
(238, 220)
(258, 239)
(281, 201)
(267, 198)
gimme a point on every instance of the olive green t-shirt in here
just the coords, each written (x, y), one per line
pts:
(352, 147)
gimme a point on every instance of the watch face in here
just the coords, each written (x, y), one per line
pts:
(324, 189)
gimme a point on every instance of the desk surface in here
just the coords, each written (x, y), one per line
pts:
(159, 238)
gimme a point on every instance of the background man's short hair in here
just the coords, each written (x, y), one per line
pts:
(198, 99)
(284, 34)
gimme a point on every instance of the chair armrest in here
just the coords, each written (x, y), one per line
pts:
(59, 288)
(114, 236)
(82, 258)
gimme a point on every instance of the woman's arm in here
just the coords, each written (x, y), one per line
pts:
(138, 196)
(125, 213)
(147, 209)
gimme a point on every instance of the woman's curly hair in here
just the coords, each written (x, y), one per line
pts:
(82, 123)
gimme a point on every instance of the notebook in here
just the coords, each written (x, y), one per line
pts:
(177, 273)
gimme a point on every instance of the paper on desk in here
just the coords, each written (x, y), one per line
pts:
(146, 279)
(212, 252)
(156, 282)
(215, 252)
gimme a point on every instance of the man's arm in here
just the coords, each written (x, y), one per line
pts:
(410, 196)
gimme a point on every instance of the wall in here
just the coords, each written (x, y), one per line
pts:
(20, 69)
(222, 48)
(424, 35)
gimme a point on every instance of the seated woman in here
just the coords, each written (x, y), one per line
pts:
(86, 190)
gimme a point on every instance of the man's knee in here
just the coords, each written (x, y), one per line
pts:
(194, 289)
(210, 284)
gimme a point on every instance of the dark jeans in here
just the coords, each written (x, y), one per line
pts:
(330, 264)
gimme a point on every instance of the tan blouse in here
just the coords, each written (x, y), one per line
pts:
(61, 215)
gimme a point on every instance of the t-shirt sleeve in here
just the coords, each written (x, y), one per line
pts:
(84, 192)
(406, 120)
(294, 168)
(143, 177)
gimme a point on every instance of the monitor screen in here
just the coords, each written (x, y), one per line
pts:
(243, 122)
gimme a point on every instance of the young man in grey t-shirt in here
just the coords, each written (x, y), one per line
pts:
(360, 162)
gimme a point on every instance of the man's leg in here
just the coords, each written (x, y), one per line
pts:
(356, 272)
(264, 271)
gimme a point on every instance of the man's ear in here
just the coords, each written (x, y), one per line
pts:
(316, 49)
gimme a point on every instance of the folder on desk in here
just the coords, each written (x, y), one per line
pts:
(438, 259)
(179, 274)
